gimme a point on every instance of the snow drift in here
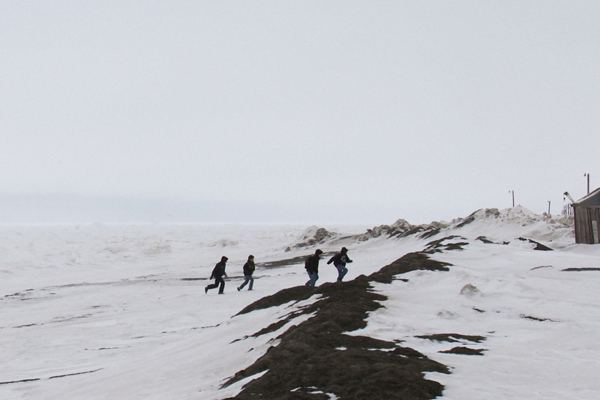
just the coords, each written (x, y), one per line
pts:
(466, 309)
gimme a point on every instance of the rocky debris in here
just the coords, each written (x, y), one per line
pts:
(402, 228)
(316, 357)
(452, 338)
(312, 236)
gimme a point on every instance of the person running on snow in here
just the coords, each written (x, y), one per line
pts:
(248, 271)
(340, 260)
(218, 274)
(312, 267)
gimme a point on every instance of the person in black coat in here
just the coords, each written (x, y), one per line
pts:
(218, 274)
(248, 271)
(312, 267)
(339, 261)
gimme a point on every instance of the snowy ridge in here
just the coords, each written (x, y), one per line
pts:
(519, 222)
(312, 236)
(503, 225)
(120, 311)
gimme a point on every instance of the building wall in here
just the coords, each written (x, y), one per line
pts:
(587, 225)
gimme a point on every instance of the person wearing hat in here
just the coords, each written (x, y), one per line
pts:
(218, 274)
(339, 261)
(312, 267)
(248, 271)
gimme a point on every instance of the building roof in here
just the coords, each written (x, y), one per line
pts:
(592, 200)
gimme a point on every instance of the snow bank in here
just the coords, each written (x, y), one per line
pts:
(119, 311)
(511, 223)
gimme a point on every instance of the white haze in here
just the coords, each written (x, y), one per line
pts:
(294, 111)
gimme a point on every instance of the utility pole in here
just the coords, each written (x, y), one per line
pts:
(588, 182)
(513, 196)
(549, 208)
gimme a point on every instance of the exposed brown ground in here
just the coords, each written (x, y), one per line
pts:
(317, 357)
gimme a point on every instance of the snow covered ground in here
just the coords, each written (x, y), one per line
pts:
(119, 311)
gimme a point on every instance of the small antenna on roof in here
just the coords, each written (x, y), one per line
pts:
(569, 196)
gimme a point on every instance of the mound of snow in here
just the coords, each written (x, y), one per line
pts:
(511, 223)
(312, 236)
(488, 224)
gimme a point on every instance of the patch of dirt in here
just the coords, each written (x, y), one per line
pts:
(294, 294)
(317, 355)
(538, 245)
(536, 318)
(545, 266)
(430, 232)
(21, 381)
(410, 262)
(464, 351)
(290, 261)
(277, 325)
(453, 337)
(580, 269)
(437, 246)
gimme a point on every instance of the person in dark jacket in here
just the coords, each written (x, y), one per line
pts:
(339, 261)
(218, 274)
(248, 271)
(312, 267)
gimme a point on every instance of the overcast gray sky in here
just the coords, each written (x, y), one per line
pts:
(295, 111)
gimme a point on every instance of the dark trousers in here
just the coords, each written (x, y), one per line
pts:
(247, 278)
(218, 281)
(313, 278)
(342, 271)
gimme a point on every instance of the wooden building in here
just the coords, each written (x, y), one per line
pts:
(587, 218)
